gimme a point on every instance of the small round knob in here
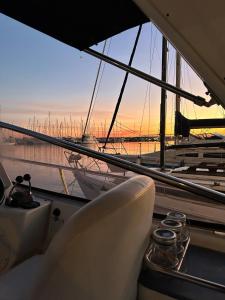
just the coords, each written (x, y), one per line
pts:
(56, 212)
(19, 179)
(27, 177)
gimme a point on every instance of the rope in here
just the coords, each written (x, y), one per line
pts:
(124, 127)
(123, 86)
(93, 93)
(100, 80)
(148, 90)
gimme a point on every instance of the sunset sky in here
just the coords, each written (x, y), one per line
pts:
(42, 77)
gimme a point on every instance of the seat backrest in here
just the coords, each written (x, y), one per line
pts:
(98, 253)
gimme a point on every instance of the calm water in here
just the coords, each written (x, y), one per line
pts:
(48, 178)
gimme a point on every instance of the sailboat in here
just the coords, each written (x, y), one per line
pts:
(113, 247)
(197, 160)
(189, 149)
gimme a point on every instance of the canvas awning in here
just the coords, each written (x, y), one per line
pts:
(195, 28)
(80, 24)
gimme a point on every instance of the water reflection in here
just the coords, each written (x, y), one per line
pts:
(48, 177)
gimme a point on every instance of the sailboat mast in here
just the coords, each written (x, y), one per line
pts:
(163, 104)
(178, 75)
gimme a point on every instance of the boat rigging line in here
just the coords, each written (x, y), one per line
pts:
(93, 93)
(124, 127)
(148, 90)
(123, 87)
(100, 80)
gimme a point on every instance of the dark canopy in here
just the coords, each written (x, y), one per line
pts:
(184, 125)
(80, 24)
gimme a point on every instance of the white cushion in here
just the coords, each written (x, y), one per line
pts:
(17, 283)
(98, 253)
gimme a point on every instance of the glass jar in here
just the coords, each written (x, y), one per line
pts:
(181, 217)
(163, 248)
(177, 227)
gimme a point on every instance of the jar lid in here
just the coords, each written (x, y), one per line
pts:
(176, 215)
(172, 224)
(164, 236)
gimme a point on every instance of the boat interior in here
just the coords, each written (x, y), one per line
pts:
(116, 246)
(67, 246)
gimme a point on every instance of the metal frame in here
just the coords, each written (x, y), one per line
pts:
(177, 273)
(153, 266)
(196, 99)
(156, 175)
(184, 276)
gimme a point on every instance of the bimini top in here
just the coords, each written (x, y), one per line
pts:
(80, 24)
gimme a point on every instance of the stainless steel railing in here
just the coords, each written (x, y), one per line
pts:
(156, 175)
(196, 99)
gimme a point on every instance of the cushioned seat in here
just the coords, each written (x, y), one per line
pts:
(98, 253)
(17, 283)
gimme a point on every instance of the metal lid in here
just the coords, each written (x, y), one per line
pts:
(172, 224)
(164, 236)
(176, 215)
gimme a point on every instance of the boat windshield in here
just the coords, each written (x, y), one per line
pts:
(56, 169)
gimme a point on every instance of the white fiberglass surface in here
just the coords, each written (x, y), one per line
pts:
(196, 29)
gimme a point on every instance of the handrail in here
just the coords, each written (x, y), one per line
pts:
(178, 91)
(156, 175)
(56, 166)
